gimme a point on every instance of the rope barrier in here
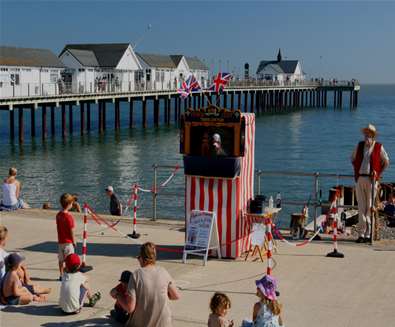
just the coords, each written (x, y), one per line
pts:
(84, 266)
(283, 239)
(269, 237)
(335, 253)
(135, 234)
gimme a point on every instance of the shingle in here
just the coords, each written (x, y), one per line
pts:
(87, 58)
(107, 54)
(287, 66)
(157, 60)
(195, 63)
(13, 56)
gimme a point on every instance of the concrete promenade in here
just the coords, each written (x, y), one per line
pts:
(316, 291)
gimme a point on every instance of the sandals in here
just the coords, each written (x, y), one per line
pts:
(94, 299)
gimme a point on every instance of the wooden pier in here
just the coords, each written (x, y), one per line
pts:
(245, 96)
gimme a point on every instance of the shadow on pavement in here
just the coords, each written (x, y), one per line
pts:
(164, 252)
(86, 323)
(51, 310)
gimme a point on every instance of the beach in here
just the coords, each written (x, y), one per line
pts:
(315, 290)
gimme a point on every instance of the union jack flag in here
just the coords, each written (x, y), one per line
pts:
(189, 86)
(220, 81)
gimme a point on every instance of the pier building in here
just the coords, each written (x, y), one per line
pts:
(107, 67)
(281, 71)
(28, 72)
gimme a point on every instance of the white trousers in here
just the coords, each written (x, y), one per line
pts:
(364, 198)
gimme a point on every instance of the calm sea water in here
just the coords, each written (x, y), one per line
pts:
(314, 140)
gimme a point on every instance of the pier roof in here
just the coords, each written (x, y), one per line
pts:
(159, 60)
(284, 66)
(195, 63)
(28, 57)
(106, 54)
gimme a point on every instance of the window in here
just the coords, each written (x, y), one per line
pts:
(14, 79)
(4, 69)
(162, 76)
(157, 76)
(81, 69)
(148, 74)
(53, 77)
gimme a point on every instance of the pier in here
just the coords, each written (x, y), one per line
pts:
(259, 97)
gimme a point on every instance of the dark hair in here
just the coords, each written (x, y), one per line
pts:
(66, 199)
(219, 300)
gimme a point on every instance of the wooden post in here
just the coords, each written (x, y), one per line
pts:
(52, 120)
(12, 123)
(225, 100)
(88, 117)
(178, 109)
(100, 116)
(71, 119)
(246, 101)
(334, 99)
(63, 120)
(200, 100)
(104, 114)
(32, 121)
(239, 100)
(44, 122)
(257, 101)
(351, 102)
(341, 99)
(168, 100)
(156, 112)
(82, 118)
(21, 125)
(144, 122)
(117, 122)
(166, 113)
(252, 108)
(131, 113)
(232, 101)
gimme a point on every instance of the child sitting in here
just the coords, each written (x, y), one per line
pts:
(120, 291)
(12, 290)
(35, 289)
(74, 288)
(267, 312)
(219, 305)
(3, 253)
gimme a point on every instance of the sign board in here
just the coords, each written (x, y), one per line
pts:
(258, 234)
(201, 235)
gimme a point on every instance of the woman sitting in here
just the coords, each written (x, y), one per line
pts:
(11, 193)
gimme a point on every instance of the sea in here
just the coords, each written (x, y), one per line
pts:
(309, 140)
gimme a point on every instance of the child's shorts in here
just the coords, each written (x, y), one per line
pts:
(65, 249)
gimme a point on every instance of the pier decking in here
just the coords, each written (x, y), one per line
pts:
(248, 96)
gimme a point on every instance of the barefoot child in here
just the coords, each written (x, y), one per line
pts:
(13, 292)
(120, 291)
(267, 312)
(219, 305)
(3, 253)
(75, 288)
(33, 288)
(65, 228)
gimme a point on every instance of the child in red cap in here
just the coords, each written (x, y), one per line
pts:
(75, 288)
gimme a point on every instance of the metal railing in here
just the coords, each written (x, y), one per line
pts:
(9, 90)
(316, 201)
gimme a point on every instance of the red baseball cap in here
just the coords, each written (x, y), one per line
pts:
(72, 261)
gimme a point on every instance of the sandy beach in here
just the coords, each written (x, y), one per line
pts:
(315, 290)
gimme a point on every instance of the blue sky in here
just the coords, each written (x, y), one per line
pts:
(344, 40)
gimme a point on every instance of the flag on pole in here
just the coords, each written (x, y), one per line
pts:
(220, 81)
(189, 86)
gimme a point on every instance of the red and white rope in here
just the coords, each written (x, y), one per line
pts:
(85, 236)
(283, 239)
(269, 238)
(135, 190)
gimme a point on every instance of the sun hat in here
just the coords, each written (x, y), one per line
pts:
(371, 129)
(267, 285)
(14, 259)
(125, 276)
(72, 261)
(109, 188)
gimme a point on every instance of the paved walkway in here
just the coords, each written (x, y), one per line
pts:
(316, 291)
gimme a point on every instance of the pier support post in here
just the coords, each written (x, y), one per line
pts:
(239, 100)
(12, 123)
(334, 99)
(257, 101)
(131, 113)
(176, 108)
(351, 100)
(179, 108)
(71, 119)
(252, 96)
(88, 117)
(44, 122)
(52, 120)
(21, 125)
(104, 114)
(200, 100)
(232, 101)
(144, 106)
(225, 100)
(82, 118)
(32, 121)
(190, 102)
(168, 101)
(63, 120)
(156, 112)
(194, 101)
(117, 122)
(246, 101)
(100, 117)
(166, 112)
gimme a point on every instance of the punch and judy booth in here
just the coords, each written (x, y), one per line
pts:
(218, 149)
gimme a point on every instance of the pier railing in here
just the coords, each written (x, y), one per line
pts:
(9, 90)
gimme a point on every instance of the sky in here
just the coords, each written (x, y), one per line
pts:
(332, 39)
